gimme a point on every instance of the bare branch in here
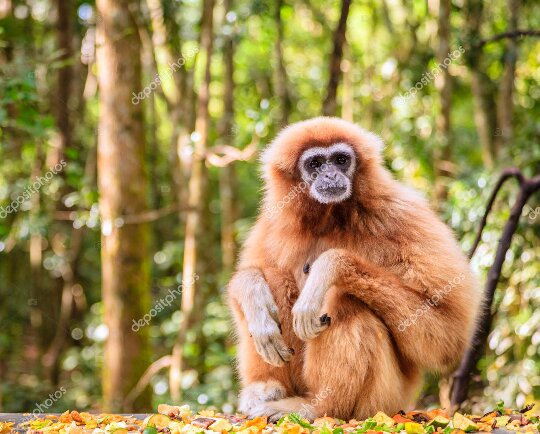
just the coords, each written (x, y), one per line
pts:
(144, 217)
(505, 175)
(329, 104)
(461, 378)
(143, 382)
(221, 156)
(513, 35)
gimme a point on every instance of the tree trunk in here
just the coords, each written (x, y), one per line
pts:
(68, 270)
(62, 98)
(39, 308)
(505, 104)
(485, 113)
(196, 199)
(64, 35)
(122, 187)
(282, 90)
(166, 40)
(227, 178)
(443, 152)
(330, 104)
(149, 64)
(347, 93)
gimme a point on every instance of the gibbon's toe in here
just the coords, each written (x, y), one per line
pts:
(266, 410)
(257, 393)
(274, 410)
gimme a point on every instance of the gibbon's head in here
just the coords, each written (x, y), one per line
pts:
(329, 158)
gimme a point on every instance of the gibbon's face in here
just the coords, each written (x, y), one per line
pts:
(328, 172)
(335, 161)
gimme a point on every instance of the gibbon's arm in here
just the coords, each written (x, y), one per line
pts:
(252, 302)
(430, 327)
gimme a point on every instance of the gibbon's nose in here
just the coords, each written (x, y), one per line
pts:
(331, 175)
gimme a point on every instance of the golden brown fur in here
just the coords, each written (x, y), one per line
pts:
(376, 259)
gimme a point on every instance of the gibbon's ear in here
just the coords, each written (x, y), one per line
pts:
(376, 143)
(278, 157)
(283, 152)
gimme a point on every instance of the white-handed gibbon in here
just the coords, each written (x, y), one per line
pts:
(348, 283)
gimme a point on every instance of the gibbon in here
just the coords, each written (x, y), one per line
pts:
(349, 287)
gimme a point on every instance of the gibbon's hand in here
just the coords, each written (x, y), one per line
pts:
(269, 342)
(308, 319)
(263, 325)
(308, 322)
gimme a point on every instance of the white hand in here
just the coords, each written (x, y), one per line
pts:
(306, 311)
(268, 341)
(261, 314)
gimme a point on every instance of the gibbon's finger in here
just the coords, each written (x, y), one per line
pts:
(325, 319)
(265, 409)
(307, 325)
(302, 325)
(270, 344)
(272, 310)
(268, 353)
(271, 355)
(314, 328)
(319, 327)
(298, 326)
(282, 348)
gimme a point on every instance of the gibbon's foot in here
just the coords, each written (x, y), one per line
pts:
(269, 343)
(266, 409)
(275, 410)
(255, 394)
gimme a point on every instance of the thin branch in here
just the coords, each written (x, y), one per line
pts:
(513, 35)
(221, 156)
(280, 76)
(143, 382)
(505, 175)
(218, 156)
(152, 215)
(144, 217)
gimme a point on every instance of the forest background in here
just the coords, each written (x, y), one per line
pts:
(129, 135)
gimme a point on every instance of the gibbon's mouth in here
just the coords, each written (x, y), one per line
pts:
(332, 193)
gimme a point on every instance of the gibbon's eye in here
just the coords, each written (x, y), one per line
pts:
(342, 159)
(315, 163)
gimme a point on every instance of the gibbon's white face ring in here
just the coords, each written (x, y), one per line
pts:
(340, 187)
(326, 153)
